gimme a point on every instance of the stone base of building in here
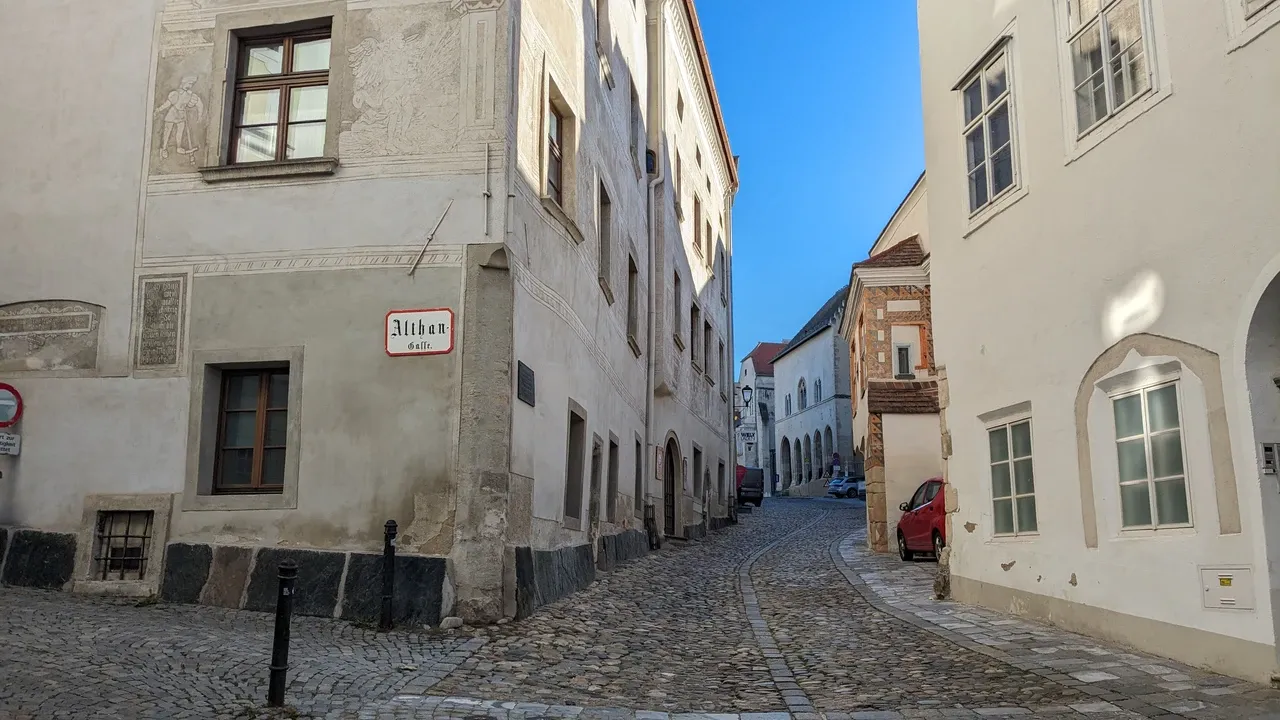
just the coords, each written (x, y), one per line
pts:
(544, 576)
(695, 532)
(1239, 658)
(623, 547)
(345, 585)
(35, 558)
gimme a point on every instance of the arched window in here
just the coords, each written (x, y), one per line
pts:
(788, 404)
(817, 390)
(803, 394)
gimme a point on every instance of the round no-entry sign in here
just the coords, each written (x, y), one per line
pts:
(10, 405)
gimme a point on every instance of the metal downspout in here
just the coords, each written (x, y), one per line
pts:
(656, 135)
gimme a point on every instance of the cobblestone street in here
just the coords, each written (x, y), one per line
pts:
(783, 614)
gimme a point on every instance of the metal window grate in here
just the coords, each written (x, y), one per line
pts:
(122, 544)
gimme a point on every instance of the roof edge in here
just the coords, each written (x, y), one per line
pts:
(705, 63)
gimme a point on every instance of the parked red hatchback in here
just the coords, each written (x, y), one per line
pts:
(923, 526)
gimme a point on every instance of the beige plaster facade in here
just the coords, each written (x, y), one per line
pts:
(146, 265)
(1107, 287)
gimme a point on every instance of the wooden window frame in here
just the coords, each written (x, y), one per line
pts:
(284, 81)
(555, 152)
(260, 447)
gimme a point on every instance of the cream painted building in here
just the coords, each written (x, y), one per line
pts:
(811, 387)
(757, 412)
(893, 371)
(277, 272)
(1105, 266)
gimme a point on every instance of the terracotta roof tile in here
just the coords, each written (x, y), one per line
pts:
(762, 357)
(907, 253)
(904, 397)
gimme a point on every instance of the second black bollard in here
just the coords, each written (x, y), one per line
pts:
(280, 646)
(388, 573)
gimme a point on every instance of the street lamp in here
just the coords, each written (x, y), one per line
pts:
(747, 392)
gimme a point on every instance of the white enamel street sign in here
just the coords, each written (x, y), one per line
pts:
(419, 332)
(10, 443)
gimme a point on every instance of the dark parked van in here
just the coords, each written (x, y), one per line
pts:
(750, 486)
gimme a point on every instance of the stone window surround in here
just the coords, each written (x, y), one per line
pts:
(202, 431)
(641, 480)
(570, 522)
(160, 505)
(699, 464)
(562, 211)
(1207, 366)
(228, 28)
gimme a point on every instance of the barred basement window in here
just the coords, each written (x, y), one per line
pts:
(121, 544)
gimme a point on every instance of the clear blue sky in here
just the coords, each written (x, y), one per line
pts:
(824, 109)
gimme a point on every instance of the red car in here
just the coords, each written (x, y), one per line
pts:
(923, 526)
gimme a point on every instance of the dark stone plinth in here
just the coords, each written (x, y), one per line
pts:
(186, 567)
(227, 576)
(419, 588)
(319, 574)
(623, 547)
(39, 559)
(544, 576)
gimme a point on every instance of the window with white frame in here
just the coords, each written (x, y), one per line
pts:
(1110, 61)
(1251, 7)
(1153, 480)
(988, 132)
(1013, 487)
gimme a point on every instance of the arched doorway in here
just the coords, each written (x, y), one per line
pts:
(808, 458)
(797, 473)
(831, 448)
(818, 454)
(786, 462)
(671, 463)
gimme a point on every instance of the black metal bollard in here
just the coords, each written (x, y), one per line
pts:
(280, 647)
(388, 573)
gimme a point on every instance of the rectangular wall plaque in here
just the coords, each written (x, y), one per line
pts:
(524, 384)
(161, 322)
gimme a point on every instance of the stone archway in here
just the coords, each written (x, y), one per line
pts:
(831, 448)
(797, 458)
(818, 453)
(671, 486)
(808, 458)
(785, 461)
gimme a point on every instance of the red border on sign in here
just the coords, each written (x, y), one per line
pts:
(18, 396)
(386, 337)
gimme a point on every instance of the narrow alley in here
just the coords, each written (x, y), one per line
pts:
(785, 614)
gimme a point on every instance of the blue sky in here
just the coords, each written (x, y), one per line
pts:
(824, 110)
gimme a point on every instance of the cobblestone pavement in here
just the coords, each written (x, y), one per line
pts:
(848, 655)
(68, 656)
(666, 632)
(785, 616)
(1113, 678)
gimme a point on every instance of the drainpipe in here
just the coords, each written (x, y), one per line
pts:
(729, 194)
(655, 135)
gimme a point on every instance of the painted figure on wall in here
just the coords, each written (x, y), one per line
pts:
(404, 84)
(182, 108)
